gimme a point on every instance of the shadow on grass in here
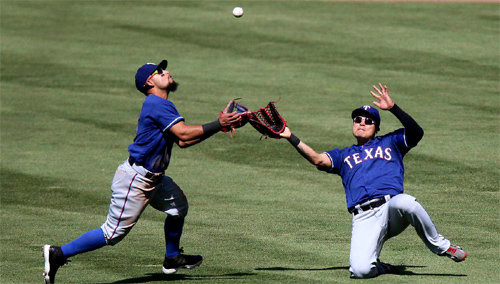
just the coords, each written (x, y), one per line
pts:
(302, 269)
(157, 277)
(401, 270)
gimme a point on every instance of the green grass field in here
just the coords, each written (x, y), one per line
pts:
(259, 213)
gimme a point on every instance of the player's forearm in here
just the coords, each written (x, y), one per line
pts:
(189, 143)
(305, 150)
(414, 132)
(308, 153)
(191, 133)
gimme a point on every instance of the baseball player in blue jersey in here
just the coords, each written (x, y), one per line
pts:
(372, 173)
(140, 179)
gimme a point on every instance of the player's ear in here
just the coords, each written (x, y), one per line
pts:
(147, 86)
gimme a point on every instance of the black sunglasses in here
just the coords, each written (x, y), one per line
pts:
(368, 121)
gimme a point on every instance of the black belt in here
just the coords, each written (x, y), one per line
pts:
(149, 175)
(374, 203)
(131, 160)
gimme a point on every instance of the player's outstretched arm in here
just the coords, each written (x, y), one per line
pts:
(189, 135)
(414, 132)
(319, 160)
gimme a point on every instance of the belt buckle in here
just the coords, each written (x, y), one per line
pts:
(153, 176)
(370, 204)
(357, 209)
(150, 175)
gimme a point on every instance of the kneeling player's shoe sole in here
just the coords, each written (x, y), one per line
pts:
(172, 264)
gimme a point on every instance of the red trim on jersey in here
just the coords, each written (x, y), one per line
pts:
(123, 208)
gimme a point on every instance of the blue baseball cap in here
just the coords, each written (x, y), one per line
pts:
(145, 71)
(367, 111)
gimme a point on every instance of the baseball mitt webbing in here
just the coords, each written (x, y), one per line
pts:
(268, 121)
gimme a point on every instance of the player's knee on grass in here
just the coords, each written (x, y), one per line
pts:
(363, 269)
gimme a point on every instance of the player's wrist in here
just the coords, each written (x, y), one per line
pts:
(395, 109)
(211, 128)
(294, 140)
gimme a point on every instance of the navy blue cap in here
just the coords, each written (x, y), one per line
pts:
(145, 71)
(367, 111)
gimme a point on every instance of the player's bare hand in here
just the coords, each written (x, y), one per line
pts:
(286, 133)
(227, 119)
(384, 100)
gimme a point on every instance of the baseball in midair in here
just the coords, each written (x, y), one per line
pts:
(237, 12)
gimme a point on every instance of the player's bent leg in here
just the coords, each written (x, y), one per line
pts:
(128, 200)
(415, 214)
(130, 196)
(169, 198)
(368, 231)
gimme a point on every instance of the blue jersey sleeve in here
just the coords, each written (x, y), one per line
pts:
(398, 139)
(335, 157)
(166, 114)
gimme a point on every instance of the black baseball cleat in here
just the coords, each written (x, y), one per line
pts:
(172, 264)
(386, 268)
(53, 260)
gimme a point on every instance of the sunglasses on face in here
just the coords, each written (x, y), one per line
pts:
(367, 120)
(157, 71)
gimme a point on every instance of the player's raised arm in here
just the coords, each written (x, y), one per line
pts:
(319, 160)
(414, 132)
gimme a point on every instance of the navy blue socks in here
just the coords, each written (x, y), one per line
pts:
(173, 232)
